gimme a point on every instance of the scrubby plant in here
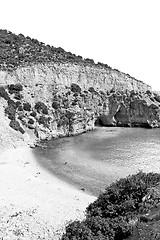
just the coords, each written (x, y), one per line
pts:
(41, 107)
(91, 89)
(27, 106)
(75, 88)
(108, 217)
(10, 111)
(45, 110)
(63, 121)
(20, 50)
(55, 104)
(43, 121)
(14, 88)
(157, 97)
(148, 92)
(20, 108)
(11, 102)
(18, 103)
(4, 94)
(18, 96)
(16, 126)
(88, 60)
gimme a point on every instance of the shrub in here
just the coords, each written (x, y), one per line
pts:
(16, 126)
(45, 110)
(91, 89)
(148, 92)
(108, 217)
(18, 103)
(27, 106)
(63, 122)
(11, 102)
(88, 60)
(4, 94)
(10, 111)
(157, 97)
(55, 104)
(40, 106)
(43, 120)
(75, 88)
(18, 96)
(14, 88)
(21, 116)
(20, 108)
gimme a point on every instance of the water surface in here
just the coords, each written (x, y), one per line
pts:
(95, 159)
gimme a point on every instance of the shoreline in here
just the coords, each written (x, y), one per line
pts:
(33, 199)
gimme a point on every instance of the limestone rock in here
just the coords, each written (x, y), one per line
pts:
(52, 93)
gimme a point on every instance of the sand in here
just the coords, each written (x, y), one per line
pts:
(33, 203)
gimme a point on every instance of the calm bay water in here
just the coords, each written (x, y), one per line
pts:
(95, 159)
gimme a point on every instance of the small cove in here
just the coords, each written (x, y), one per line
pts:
(91, 161)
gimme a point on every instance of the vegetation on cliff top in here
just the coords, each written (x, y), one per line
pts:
(116, 212)
(18, 50)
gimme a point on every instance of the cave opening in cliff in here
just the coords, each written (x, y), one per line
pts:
(98, 122)
(102, 121)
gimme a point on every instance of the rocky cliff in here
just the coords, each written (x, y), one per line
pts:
(52, 93)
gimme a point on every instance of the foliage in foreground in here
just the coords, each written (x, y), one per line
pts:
(108, 218)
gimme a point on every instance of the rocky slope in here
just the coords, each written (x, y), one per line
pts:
(54, 93)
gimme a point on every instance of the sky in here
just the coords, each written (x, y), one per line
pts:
(125, 34)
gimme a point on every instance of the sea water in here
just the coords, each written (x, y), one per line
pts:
(93, 160)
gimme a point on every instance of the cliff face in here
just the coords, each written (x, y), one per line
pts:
(65, 74)
(58, 99)
(48, 92)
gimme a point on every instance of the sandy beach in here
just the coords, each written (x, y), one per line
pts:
(33, 203)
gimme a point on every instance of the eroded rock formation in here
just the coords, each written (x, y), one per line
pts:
(66, 97)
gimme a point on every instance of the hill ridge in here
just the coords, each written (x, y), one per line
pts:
(18, 50)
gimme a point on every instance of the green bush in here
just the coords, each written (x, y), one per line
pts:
(16, 126)
(55, 104)
(18, 50)
(11, 102)
(18, 96)
(91, 89)
(4, 94)
(20, 107)
(45, 110)
(10, 111)
(43, 120)
(108, 217)
(63, 121)
(14, 88)
(18, 103)
(41, 107)
(27, 106)
(75, 88)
